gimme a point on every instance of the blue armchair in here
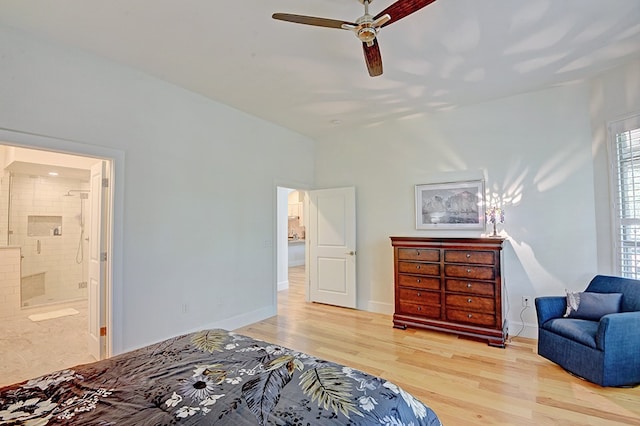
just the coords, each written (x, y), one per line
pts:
(604, 350)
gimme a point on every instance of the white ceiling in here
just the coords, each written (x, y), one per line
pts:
(449, 54)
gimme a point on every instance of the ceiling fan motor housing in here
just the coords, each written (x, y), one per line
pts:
(366, 31)
(367, 34)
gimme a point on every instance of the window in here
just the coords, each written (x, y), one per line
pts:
(625, 135)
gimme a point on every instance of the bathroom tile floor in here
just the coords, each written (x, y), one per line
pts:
(30, 349)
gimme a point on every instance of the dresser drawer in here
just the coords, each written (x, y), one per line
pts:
(419, 296)
(472, 303)
(471, 272)
(470, 256)
(432, 283)
(470, 287)
(475, 318)
(419, 268)
(427, 255)
(421, 310)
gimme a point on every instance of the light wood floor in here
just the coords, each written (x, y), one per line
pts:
(465, 382)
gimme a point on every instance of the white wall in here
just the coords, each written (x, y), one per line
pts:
(614, 95)
(199, 192)
(534, 152)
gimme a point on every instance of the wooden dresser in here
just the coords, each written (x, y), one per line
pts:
(450, 284)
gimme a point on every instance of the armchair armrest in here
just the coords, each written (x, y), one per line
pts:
(550, 307)
(619, 333)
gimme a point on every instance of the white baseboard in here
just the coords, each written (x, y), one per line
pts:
(529, 330)
(226, 324)
(380, 307)
(244, 319)
(283, 285)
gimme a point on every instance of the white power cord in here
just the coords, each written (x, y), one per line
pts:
(521, 321)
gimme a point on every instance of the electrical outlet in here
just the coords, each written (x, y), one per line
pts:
(526, 301)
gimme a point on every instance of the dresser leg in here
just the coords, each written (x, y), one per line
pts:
(400, 326)
(497, 343)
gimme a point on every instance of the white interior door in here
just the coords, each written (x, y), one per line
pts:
(332, 246)
(97, 265)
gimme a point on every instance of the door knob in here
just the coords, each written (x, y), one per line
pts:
(351, 253)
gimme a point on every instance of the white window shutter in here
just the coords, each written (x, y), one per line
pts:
(625, 136)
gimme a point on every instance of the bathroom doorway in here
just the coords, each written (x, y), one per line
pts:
(46, 235)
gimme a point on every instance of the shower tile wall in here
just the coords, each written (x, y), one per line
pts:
(9, 281)
(4, 206)
(55, 255)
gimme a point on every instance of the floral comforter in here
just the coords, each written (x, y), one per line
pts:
(211, 377)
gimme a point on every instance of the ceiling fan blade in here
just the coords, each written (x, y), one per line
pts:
(373, 58)
(402, 8)
(311, 20)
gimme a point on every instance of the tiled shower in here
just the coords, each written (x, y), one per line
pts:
(47, 219)
(44, 231)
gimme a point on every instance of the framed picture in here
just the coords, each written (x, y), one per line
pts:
(452, 205)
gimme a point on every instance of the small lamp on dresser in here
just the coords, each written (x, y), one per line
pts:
(495, 215)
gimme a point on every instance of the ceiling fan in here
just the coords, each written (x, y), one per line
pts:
(365, 27)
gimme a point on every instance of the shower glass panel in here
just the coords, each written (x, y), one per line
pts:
(47, 221)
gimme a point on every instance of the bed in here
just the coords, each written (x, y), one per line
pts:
(211, 377)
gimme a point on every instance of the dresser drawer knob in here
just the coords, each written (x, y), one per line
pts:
(468, 285)
(419, 294)
(418, 280)
(468, 255)
(469, 316)
(468, 271)
(419, 308)
(469, 300)
(418, 267)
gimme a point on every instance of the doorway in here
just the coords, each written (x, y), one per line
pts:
(45, 227)
(291, 234)
(329, 219)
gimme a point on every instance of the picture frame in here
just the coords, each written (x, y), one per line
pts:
(450, 205)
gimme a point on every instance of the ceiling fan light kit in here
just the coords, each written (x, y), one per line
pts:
(365, 27)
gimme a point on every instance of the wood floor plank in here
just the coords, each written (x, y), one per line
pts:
(465, 382)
